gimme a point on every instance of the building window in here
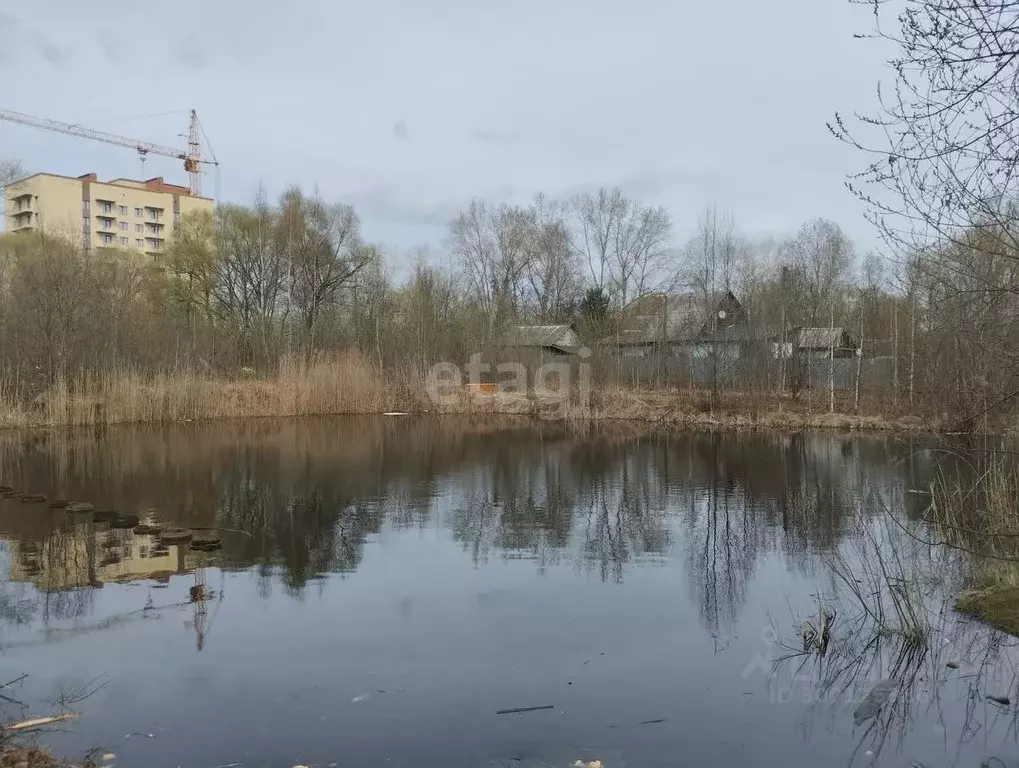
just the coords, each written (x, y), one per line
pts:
(154, 214)
(138, 242)
(139, 227)
(105, 207)
(123, 241)
(123, 226)
(138, 212)
(123, 210)
(106, 238)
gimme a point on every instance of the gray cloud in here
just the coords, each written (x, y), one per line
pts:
(748, 133)
(190, 52)
(486, 136)
(9, 36)
(395, 204)
(17, 38)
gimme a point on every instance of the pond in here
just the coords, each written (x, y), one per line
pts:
(387, 587)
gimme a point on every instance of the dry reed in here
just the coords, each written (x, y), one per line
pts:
(351, 384)
(323, 385)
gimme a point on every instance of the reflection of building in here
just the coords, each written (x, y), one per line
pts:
(84, 555)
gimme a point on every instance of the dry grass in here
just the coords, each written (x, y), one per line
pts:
(997, 605)
(981, 518)
(326, 385)
(12, 413)
(350, 384)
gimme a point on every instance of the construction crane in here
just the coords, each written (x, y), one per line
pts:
(192, 157)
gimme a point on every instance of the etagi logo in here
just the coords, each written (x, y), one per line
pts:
(561, 387)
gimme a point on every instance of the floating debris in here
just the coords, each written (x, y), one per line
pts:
(149, 529)
(952, 665)
(6, 489)
(33, 498)
(59, 504)
(39, 722)
(175, 535)
(516, 710)
(8, 494)
(79, 507)
(124, 521)
(205, 545)
(362, 697)
(876, 699)
(1003, 700)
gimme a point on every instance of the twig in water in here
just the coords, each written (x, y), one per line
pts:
(12, 682)
(515, 710)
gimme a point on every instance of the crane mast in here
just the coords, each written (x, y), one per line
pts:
(192, 157)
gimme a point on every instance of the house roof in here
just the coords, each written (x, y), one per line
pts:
(820, 338)
(658, 317)
(539, 336)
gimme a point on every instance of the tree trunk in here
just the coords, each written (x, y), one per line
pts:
(831, 359)
(895, 351)
(912, 345)
(859, 361)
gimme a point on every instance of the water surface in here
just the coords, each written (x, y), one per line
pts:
(386, 586)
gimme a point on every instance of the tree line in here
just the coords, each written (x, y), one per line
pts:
(250, 284)
(938, 307)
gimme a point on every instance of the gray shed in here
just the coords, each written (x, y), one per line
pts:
(558, 339)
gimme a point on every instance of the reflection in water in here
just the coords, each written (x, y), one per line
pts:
(366, 556)
(299, 500)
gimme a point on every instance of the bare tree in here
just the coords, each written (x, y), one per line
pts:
(251, 279)
(551, 272)
(323, 249)
(624, 243)
(493, 249)
(597, 219)
(946, 134)
(47, 309)
(711, 262)
(10, 170)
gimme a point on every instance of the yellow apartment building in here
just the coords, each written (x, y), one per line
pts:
(122, 213)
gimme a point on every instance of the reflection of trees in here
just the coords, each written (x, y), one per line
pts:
(306, 495)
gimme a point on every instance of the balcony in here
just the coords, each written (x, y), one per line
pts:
(21, 220)
(21, 204)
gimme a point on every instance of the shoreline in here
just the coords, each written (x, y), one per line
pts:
(525, 409)
(349, 385)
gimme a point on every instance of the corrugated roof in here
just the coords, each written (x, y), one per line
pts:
(821, 338)
(538, 336)
(658, 318)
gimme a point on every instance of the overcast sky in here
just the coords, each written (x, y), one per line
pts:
(408, 108)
